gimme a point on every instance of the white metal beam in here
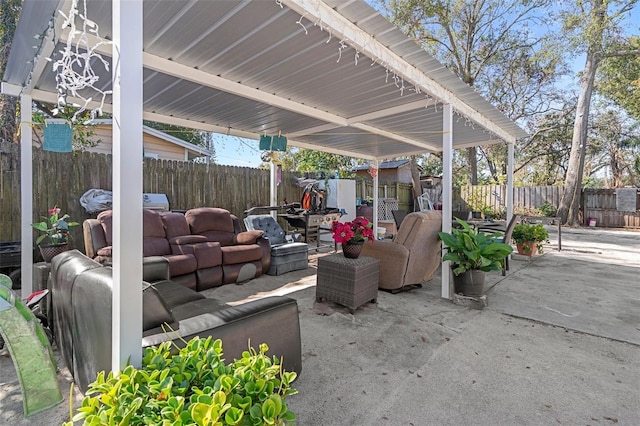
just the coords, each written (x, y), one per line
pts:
(10, 89)
(400, 109)
(26, 194)
(127, 184)
(447, 190)
(390, 135)
(341, 28)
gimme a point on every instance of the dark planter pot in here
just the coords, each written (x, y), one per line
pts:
(352, 250)
(50, 251)
(469, 283)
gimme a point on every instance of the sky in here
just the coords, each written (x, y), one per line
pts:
(235, 151)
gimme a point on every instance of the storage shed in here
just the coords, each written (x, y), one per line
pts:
(388, 171)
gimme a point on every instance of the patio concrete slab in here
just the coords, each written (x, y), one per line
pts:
(414, 358)
(592, 285)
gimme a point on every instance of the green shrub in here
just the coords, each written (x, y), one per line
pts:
(547, 209)
(192, 387)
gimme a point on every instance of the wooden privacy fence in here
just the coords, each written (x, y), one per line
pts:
(61, 179)
(494, 197)
(601, 205)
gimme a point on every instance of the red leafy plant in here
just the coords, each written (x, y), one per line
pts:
(355, 231)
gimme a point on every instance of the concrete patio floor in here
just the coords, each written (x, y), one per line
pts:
(559, 343)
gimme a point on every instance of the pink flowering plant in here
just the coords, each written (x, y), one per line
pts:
(56, 227)
(355, 231)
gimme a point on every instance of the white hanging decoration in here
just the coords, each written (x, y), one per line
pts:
(342, 45)
(299, 22)
(74, 70)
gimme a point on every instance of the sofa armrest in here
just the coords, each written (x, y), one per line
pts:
(187, 239)
(248, 237)
(272, 320)
(155, 268)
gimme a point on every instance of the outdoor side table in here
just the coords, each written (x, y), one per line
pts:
(349, 282)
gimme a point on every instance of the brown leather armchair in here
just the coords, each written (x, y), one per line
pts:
(414, 254)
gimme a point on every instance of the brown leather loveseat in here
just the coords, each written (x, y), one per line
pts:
(205, 247)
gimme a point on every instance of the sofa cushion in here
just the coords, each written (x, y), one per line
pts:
(152, 225)
(180, 264)
(175, 294)
(241, 254)
(175, 224)
(155, 246)
(214, 223)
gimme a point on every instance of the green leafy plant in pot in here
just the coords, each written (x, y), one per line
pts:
(529, 238)
(473, 253)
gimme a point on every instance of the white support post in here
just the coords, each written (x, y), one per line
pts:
(447, 188)
(26, 195)
(127, 184)
(273, 199)
(510, 161)
(375, 199)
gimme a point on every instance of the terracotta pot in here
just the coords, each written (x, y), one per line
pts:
(50, 251)
(469, 283)
(352, 250)
(528, 248)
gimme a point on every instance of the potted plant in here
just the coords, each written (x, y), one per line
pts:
(56, 229)
(472, 253)
(192, 386)
(352, 235)
(529, 238)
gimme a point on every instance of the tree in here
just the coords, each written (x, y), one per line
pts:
(193, 136)
(489, 44)
(591, 25)
(308, 160)
(614, 144)
(619, 78)
(9, 13)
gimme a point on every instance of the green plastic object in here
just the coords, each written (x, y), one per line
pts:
(30, 351)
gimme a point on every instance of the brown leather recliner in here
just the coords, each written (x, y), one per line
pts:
(414, 254)
(245, 255)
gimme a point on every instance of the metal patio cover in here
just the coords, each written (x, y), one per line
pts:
(331, 75)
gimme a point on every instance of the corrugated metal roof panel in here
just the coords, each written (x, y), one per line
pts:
(263, 51)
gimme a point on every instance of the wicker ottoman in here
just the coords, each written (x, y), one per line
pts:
(349, 282)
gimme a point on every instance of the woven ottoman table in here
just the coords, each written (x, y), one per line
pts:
(348, 282)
